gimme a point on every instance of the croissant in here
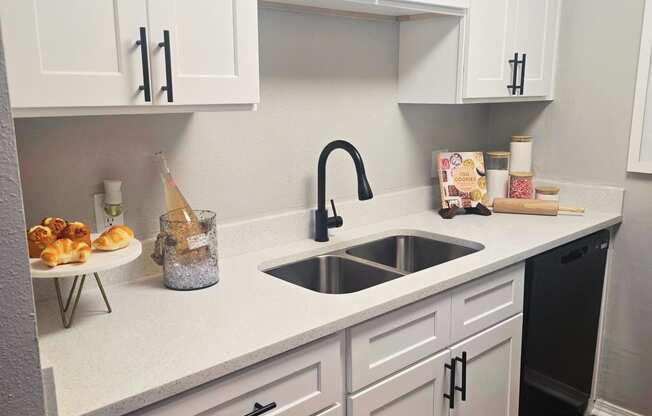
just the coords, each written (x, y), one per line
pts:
(65, 251)
(77, 231)
(38, 237)
(55, 224)
(116, 237)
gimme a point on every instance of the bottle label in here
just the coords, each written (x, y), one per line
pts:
(197, 241)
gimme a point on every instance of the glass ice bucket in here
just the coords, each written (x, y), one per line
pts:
(188, 251)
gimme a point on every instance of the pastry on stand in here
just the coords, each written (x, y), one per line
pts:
(68, 258)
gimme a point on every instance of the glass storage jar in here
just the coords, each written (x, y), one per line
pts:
(497, 165)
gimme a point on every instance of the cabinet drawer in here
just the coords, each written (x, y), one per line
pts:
(487, 301)
(384, 345)
(337, 410)
(300, 383)
(417, 390)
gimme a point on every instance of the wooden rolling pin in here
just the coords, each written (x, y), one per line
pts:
(532, 206)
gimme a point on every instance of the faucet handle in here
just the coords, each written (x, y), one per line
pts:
(333, 206)
(335, 221)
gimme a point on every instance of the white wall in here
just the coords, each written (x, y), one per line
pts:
(322, 78)
(583, 136)
(21, 388)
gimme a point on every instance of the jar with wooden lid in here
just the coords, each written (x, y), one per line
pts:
(497, 165)
(547, 193)
(521, 150)
(520, 185)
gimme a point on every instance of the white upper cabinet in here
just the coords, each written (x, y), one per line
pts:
(491, 42)
(213, 51)
(501, 50)
(73, 53)
(536, 38)
(72, 57)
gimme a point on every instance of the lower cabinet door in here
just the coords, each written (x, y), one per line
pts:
(492, 371)
(416, 391)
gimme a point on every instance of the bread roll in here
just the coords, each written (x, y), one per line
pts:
(78, 232)
(65, 251)
(55, 224)
(38, 237)
(116, 237)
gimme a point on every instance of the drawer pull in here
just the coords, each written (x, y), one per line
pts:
(451, 395)
(462, 389)
(259, 409)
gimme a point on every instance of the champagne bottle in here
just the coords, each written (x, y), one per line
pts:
(177, 206)
(187, 230)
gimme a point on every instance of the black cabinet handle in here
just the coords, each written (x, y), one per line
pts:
(514, 62)
(462, 389)
(522, 86)
(259, 409)
(142, 42)
(168, 65)
(451, 395)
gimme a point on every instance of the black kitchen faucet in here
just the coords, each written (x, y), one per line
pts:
(322, 221)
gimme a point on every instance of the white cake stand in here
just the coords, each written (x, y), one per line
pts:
(99, 261)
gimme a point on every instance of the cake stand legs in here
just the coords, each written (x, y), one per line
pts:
(106, 300)
(67, 318)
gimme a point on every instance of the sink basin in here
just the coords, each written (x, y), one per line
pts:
(408, 253)
(362, 266)
(333, 274)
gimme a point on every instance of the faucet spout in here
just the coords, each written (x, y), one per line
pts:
(322, 221)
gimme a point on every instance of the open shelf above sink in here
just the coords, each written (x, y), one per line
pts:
(360, 8)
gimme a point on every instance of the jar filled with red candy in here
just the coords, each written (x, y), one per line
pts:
(520, 185)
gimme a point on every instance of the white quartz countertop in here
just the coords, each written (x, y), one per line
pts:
(159, 342)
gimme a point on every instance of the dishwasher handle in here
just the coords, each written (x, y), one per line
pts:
(574, 255)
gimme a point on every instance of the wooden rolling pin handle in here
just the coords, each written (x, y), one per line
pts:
(531, 206)
(572, 209)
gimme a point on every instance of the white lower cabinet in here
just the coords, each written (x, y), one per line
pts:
(486, 380)
(493, 370)
(384, 345)
(303, 382)
(457, 353)
(416, 391)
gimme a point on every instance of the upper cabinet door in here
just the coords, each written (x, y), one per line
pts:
(536, 37)
(209, 52)
(490, 46)
(73, 53)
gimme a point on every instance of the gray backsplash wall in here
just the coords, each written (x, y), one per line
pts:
(583, 136)
(322, 78)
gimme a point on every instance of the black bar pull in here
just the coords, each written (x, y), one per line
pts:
(451, 395)
(168, 65)
(462, 389)
(142, 42)
(514, 62)
(259, 409)
(522, 86)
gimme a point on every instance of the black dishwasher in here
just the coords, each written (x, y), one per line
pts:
(563, 296)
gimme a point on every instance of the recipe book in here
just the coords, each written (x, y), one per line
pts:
(462, 180)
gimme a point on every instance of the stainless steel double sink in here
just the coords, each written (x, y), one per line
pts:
(365, 265)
